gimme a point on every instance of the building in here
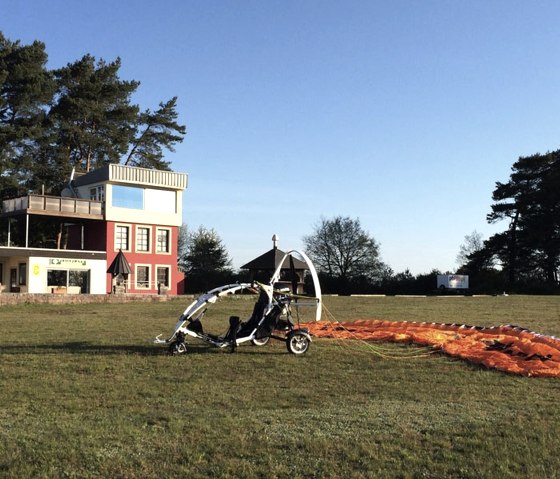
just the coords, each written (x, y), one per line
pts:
(135, 211)
(263, 267)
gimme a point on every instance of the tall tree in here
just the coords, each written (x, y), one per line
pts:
(342, 250)
(79, 116)
(95, 123)
(26, 87)
(530, 200)
(155, 131)
(93, 120)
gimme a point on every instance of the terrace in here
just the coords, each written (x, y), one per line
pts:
(53, 206)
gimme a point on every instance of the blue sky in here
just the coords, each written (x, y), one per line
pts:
(403, 114)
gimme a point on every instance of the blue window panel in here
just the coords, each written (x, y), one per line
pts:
(128, 197)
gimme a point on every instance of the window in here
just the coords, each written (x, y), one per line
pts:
(62, 278)
(57, 277)
(97, 193)
(163, 241)
(142, 238)
(22, 274)
(128, 197)
(149, 199)
(142, 276)
(163, 276)
(121, 237)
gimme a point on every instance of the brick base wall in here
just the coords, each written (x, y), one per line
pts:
(27, 298)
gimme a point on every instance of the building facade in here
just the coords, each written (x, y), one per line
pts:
(136, 211)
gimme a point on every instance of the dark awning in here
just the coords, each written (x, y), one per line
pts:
(119, 265)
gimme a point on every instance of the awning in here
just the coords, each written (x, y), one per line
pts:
(119, 265)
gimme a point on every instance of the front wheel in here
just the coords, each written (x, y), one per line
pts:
(177, 347)
(298, 342)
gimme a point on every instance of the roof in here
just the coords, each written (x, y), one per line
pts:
(119, 265)
(270, 261)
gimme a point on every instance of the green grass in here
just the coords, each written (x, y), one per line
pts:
(83, 393)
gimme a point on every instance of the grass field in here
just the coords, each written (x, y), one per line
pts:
(85, 394)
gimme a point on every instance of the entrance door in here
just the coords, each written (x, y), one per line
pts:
(14, 288)
(79, 278)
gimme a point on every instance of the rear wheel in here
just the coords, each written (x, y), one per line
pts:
(260, 341)
(298, 342)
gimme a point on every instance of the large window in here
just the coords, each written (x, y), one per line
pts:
(122, 237)
(63, 278)
(128, 197)
(142, 276)
(163, 276)
(163, 240)
(142, 239)
(57, 277)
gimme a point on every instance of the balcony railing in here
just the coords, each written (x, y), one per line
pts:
(144, 176)
(53, 205)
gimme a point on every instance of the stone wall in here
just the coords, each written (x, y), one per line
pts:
(27, 298)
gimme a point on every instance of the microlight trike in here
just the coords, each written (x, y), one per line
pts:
(272, 316)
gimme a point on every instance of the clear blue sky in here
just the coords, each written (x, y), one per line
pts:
(403, 114)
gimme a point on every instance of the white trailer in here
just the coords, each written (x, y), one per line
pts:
(454, 282)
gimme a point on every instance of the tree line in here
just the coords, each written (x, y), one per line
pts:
(524, 258)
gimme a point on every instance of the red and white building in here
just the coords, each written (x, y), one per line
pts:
(116, 208)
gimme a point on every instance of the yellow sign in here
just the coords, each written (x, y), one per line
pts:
(36, 269)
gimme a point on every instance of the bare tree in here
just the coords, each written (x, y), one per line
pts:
(472, 244)
(340, 248)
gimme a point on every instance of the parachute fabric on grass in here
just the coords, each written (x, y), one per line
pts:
(506, 348)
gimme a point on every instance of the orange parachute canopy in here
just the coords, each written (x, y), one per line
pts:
(507, 348)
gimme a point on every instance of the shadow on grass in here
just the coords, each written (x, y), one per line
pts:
(86, 347)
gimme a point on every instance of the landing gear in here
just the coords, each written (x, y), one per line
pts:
(298, 341)
(178, 346)
(261, 341)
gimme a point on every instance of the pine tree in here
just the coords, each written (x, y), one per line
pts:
(206, 262)
(26, 87)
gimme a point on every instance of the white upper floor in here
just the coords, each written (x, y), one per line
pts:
(135, 195)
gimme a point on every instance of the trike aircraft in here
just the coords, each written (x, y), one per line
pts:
(271, 318)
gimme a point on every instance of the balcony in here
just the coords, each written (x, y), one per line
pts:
(53, 206)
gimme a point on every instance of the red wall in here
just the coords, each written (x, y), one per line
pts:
(151, 259)
(100, 236)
